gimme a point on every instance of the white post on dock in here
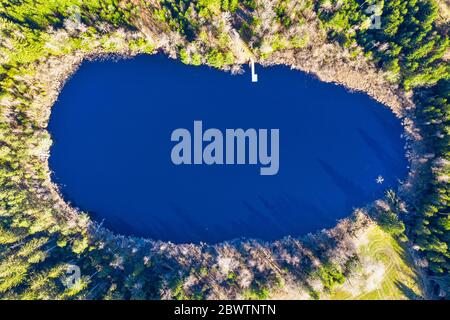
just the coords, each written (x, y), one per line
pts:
(254, 75)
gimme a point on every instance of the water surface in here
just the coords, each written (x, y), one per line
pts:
(111, 129)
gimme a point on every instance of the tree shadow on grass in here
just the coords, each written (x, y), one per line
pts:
(407, 291)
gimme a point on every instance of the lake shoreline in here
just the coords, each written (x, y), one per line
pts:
(70, 63)
(305, 196)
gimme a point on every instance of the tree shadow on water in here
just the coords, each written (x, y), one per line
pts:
(354, 194)
(392, 165)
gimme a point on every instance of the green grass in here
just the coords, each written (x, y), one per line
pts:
(399, 280)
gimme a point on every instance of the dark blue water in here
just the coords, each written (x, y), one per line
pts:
(111, 154)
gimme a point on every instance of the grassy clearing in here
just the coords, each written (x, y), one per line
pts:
(387, 271)
(444, 10)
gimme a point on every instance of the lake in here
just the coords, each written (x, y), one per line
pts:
(111, 154)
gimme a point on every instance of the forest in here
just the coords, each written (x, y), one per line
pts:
(43, 41)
